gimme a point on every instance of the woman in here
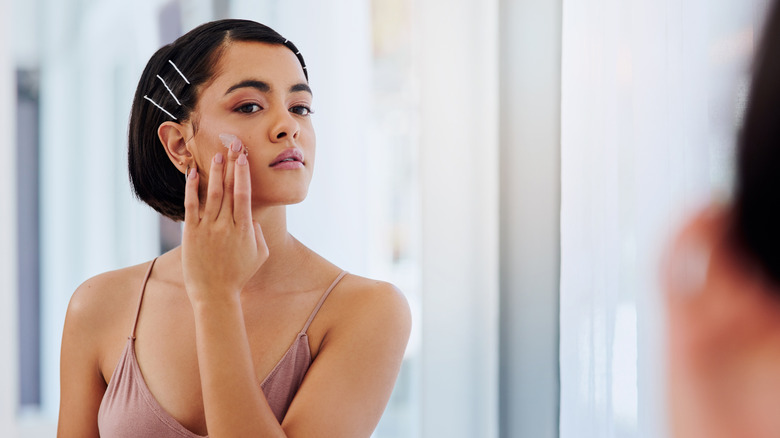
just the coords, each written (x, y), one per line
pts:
(242, 330)
(723, 279)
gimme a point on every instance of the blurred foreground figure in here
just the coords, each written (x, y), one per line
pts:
(722, 278)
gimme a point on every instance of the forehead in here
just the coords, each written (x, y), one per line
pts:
(272, 63)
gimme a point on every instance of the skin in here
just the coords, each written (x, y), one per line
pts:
(724, 337)
(220, 311)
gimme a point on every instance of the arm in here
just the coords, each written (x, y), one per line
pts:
(221, 249)
(81, 383)
(350, 381)
(234, 403)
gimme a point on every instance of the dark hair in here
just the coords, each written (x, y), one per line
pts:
(155, 180)
(757, 204)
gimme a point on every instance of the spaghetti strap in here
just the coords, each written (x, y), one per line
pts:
(322, 300)
(141, 296)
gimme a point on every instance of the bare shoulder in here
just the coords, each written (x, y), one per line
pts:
(101, 294)
(374, 296)
(366, 288)
(104, 304)
(366, 304)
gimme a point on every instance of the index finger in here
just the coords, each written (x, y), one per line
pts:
(234, 147)
(242, 192)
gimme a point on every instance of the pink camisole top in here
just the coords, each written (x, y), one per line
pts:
(129, 409)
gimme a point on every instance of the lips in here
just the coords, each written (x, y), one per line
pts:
(291, 157)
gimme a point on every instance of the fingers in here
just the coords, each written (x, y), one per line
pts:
(242, 192)
(215, 190)
(191, 203)
(234, 150)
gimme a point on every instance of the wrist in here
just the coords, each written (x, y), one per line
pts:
(214, 301)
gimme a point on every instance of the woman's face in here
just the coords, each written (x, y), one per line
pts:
(260, 95)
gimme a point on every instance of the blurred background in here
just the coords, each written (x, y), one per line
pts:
(522, 163)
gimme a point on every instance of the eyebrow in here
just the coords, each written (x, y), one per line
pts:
(263, 87)
(301, 87)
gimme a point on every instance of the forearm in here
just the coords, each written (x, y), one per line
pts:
(235, 405)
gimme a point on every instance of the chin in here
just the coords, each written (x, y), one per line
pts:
(280, 199)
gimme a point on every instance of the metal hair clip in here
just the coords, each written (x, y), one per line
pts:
(169, 90)
(158, 106)
(179, 72)
(298, 54)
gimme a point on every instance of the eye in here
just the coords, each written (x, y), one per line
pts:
(301, 110)
(248, 108)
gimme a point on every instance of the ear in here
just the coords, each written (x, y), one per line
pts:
(172, 136)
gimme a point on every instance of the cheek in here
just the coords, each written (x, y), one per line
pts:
(203, 150)
(309, 146)
(255, 166)
(204, 157)
(206, 143)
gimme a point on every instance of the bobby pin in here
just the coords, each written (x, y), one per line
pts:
(158, 106)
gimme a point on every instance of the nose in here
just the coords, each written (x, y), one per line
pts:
(284, 126)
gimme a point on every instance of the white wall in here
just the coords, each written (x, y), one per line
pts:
(8, 271)
(457, 56)
(530, 216)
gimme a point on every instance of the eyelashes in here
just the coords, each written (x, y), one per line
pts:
(248, 108)
(302, 110)
(251, 108)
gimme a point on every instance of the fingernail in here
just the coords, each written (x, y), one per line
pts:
(193, 173)
(218, 158)
(236, 146)
(227, 139)
(241, 159)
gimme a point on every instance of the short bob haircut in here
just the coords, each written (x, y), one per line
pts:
(155, 180)
(757, 204)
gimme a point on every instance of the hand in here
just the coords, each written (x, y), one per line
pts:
(222, 247)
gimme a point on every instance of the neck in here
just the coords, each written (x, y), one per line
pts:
(273, 223)
(285, 252)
